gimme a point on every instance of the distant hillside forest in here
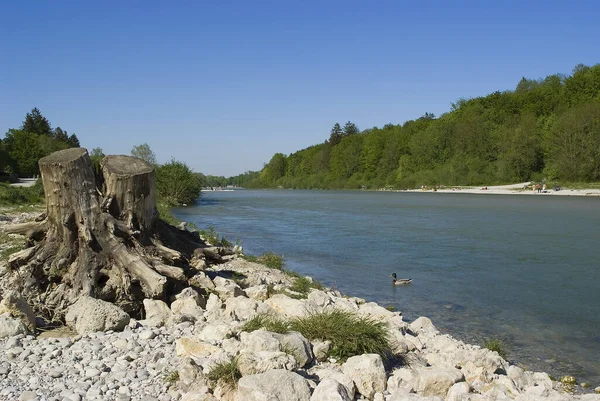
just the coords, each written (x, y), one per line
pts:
(546, 129)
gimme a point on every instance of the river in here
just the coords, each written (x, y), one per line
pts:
(522, 268)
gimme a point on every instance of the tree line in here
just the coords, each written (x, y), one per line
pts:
(21, 149)
(543, 129)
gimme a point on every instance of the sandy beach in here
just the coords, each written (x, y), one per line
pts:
(523, 188)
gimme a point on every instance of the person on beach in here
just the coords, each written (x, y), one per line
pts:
(544, 188)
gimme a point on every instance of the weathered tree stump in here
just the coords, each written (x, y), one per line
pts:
(112, 246)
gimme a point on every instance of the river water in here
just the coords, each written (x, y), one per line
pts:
(522, 268)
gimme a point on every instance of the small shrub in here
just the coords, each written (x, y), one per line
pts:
(172, 377)
(271, 260)
(266, 322)
(212, 236)
(349, 334)
(391, 308)
(11, 195)
(250, 258)
(497, 344)
(303, 285)
(225, 373)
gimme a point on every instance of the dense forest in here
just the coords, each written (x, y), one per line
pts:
(545, 129)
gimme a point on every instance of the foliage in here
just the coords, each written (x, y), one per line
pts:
(225, 373)
(349, 334)
(12, 195)
(172, 377)
(176, 184)
(268, 259)
(144, 152)
(547, 128)
(497, 344)
(212, 237)
(303, 285)
(266, 322)
(22, 148)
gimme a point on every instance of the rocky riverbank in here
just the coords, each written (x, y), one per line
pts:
(196, 348)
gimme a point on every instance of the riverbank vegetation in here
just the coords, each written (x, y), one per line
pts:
(544, 129)
(349, 334)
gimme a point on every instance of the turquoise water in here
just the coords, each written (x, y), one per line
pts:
(525, 268)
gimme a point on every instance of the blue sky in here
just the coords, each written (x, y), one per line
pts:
(223, 85)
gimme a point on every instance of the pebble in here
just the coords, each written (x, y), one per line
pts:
(98, 366)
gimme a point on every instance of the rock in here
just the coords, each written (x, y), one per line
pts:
(187, 308)
(374, 311)
(215, 333)
(201, 280)
(401, 381)
(227, 288)
(458, 391)
(259, 340)
(88, 315)
(189, 347)
(296, 345)
(286, 306)
(367, 372)
(189, 292)
(321, 349)
(274, 385)
(517, 375)
(423, 325)
(330, 390)
(10, 326)
(16, 306)
(28, 396)
(436, 381)
(258, 292)
(157, 313)
(319, 300)
(240, 308)
(250, 363)
(597, 390)
(213, 303)
(338, 376)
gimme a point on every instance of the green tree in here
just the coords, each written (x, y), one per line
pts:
(144, 152)
(177, 184)
(350, 129)
(336, 134)
(36, 123)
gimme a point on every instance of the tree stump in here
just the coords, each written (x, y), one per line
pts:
(112, 246)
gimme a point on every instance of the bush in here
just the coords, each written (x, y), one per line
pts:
(11, 195)
(497, 344)
(213, 238)
(176, 184)
(349, 334)
(304, 284)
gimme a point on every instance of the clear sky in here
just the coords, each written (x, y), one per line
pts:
(223, 85)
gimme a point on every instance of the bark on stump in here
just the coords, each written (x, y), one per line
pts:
(112, 247)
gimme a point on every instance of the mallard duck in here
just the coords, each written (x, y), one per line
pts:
(401, 281)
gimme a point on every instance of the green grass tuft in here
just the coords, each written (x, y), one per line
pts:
(268, 259)
(303, 285)
(172, 377)
(497, 344)
(349, 333)
(266, 322)
(225, 373)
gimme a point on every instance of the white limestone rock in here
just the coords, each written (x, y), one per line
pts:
(367, 372)
(240, 308)
(274, 385)
(157, 313)
(250, 363)
(10, 326)
(330, 390)
(433, 381)
(88, 315)
(258, 292)
(15, 305)
(286, 306)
